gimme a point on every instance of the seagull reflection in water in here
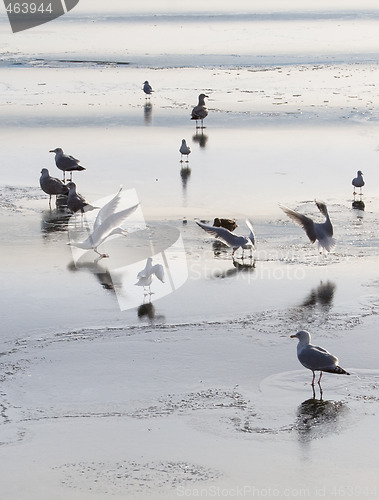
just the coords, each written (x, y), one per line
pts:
(185, 173)
(316, 305)
(317, 418)
(53, 221)
(147, 112)
(322, 295)
(102, 274)
(200, 138)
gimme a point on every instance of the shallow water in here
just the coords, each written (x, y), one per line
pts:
(198, 393)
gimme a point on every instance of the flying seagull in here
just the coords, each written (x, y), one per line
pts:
(230, 239)
(107, 223)
(200, 111)
(316, 358)
(65, 162)
(51, 185)
(322, 232)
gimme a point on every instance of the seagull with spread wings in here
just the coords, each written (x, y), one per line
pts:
(107, 223)
(231, 239)
(322, 232)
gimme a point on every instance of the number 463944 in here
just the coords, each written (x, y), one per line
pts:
(28, 8)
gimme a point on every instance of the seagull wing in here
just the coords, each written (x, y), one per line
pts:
(252, 234)
(108, 209)
(305, 222)
(146, 271)
(322, 207)
(317, 358)
(72, 158)
(110, 223)
(158, 270)
(220, 233)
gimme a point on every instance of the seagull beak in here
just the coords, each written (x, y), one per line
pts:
(51, 151)
(292, 336)
(124, 232)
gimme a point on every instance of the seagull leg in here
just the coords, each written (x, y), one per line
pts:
(101, 255)
(313, 385)
(319, 384)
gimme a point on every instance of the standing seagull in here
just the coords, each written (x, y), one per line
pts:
(76, 201)
(200, 111)
(145, 277)
(322, 232)
(147, 88)
(230, 239)
(65, 162)
(358, 182)
(51, 185)
(107, 223)
(316, 358)
(184, 150)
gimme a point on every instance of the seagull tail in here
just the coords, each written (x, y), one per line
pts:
(79, 167)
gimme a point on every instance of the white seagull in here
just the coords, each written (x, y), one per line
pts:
(316, 358)
(107, 223)
(322, 232)
(230, 239)
(358, 182)
(65, 162)
(184, 150)
(145, 277)
(200, 111)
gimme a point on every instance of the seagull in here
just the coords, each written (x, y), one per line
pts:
(200, 111)
(51, 185)
(322, 232)
(316, 358)
(230, 239)
(184, 150)
(76, 201)
(65, 162)
(358, 182)
(145, 277)
(147, 88)
(107, 223)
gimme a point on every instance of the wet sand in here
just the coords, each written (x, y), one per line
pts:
(203, 395)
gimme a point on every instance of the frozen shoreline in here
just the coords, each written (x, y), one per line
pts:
(206, 396)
